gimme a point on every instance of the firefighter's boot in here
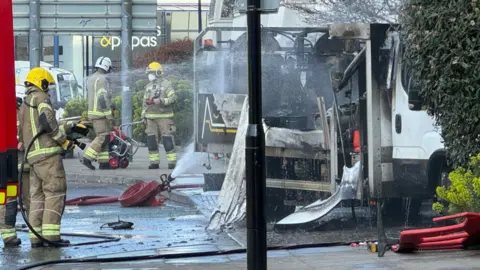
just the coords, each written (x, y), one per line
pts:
(171, 166)
(154, 166)
(88, 163)
(14, 242)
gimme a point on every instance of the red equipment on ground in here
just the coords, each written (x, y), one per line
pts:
(139, 194)
(121, 148)
(461, 235)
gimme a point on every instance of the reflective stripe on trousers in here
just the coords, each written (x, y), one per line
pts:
(33, 236)
(50, 230)
(172, 157)
(103, 157)
(8, 233)
(154, 157)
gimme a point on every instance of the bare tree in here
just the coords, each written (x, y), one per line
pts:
(347, 11)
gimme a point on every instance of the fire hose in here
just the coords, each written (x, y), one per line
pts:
(139, 194)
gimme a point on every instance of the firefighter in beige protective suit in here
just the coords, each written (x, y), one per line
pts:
(47, 174)
(100, 108)
(8, 213)
(158, 112)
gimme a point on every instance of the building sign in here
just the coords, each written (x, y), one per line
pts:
(145, 42)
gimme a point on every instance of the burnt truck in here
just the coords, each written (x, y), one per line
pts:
(296, 65)
(397, 146)
(374, 121)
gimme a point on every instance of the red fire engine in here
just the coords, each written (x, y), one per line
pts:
(8, 135)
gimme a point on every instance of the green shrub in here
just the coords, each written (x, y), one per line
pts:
(443, 48)
(76, 107)
(462, 195)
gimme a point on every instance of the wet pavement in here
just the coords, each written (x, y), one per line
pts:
(172, 225)
(306, 259)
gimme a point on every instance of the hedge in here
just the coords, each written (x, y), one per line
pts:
(443, 48)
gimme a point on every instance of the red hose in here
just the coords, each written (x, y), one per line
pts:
(138, 194)
(89, 200)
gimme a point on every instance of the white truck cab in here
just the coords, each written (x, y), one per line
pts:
(66, 84)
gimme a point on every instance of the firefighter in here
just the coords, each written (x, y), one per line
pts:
(157, 110)
(8, 213)
(100, 108)
(47, 174)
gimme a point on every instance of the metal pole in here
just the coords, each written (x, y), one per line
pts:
(56, 51)
(127, 110)
(34, 40)
(199, 16)
(255, 147)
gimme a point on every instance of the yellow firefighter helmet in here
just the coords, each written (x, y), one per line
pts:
(39, 77)
(156, 68)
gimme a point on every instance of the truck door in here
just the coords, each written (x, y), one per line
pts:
(415, 137)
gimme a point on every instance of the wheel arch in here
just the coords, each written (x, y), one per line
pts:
(434, 166)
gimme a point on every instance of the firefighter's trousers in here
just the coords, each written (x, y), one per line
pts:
(48, 188)
(98, 149)
(8, 212)
(164, 127)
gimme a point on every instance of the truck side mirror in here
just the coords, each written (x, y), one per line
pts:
(414, 99)
(336, 78)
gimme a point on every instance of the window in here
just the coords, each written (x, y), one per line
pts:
(67, 86)
(409, 83)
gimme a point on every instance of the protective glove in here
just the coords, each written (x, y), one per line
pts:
(80, 129)
(68, 145)
(149, 101)
(158, 101)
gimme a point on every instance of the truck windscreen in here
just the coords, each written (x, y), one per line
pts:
(67, 86)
